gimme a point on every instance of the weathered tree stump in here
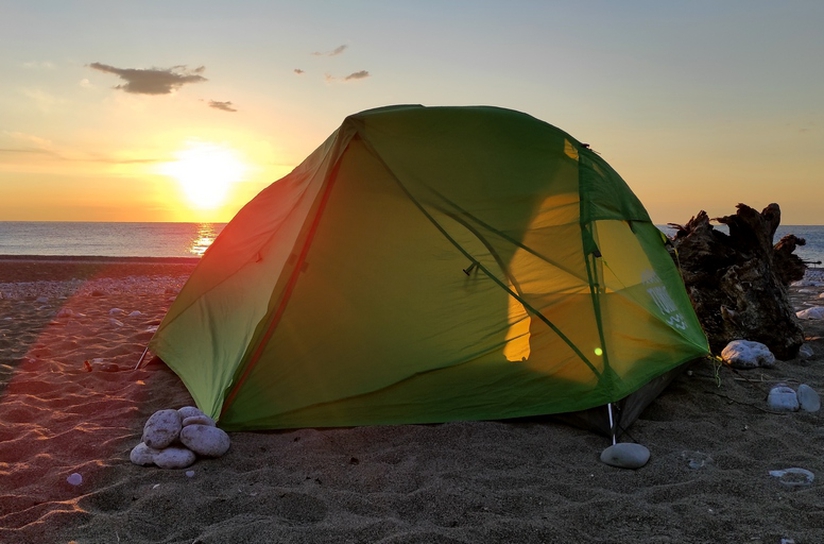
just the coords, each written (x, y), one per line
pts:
(738, 282)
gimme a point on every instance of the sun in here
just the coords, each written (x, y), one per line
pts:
(205, 173)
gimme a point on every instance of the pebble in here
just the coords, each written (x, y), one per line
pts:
(116, 311)
(190, 411)
(794, 477)
(162, 428)
(205, 440)
(143, 455)
(42, 300)
(816, 312)
(75, 479)
(202, 419)
(747, 354)
(805, 352)
(782, 398)
(625, 455)
(808, 399)
(174, 457)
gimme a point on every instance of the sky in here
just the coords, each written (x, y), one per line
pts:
(184, 110)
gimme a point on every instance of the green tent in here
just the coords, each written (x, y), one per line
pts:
(431, 264)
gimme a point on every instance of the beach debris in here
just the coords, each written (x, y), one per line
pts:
(808, 398)
(794, 477)
(75, 479)
(738, 282)
(162, 428)
(204, 440)
(747, 354)
(174, 457)
(782, 398)
(816, 312)
(625, 455)
(168, 443)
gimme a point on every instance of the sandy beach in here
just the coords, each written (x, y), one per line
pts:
(72, 330)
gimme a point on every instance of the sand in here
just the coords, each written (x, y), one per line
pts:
(712, 440)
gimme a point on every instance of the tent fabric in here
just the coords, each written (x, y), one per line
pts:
(430, 264)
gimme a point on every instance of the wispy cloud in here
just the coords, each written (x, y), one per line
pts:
(153, 80)
(225, 106)
(298, 71)
(43, 100)
(39, 65)
(333, 53)
(363, 74)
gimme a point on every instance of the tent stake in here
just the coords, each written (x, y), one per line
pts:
(611, 422)
(145, 351)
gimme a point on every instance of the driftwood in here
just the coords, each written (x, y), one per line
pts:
(738, 282)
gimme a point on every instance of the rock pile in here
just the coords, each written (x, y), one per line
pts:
(176, 438)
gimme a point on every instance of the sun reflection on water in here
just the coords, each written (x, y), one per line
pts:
(206, 234)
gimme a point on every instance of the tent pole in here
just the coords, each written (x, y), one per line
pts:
(147, 349)
(611, 423)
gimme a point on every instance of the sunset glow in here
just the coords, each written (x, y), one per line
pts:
(205, 173)
(698, 106)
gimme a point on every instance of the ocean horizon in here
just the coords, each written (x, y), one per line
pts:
(159, 239)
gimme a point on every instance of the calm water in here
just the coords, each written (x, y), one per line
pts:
(192, 239)
(107, 239)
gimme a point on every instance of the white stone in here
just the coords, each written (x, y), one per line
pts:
(782, 398)
(143, 455)
(199, 420)
(794, 477)
(816, 312)
(205, 440)
(174, 457)
(747, 354)
(136, 313)
(75, 479)
(162, 428)
(625, 455)
(190, 411)
(805, 351)
(116, 311)
(808, 399)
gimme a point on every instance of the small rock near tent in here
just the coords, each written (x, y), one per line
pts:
(430, 264)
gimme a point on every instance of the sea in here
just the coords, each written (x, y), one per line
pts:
(192, 239)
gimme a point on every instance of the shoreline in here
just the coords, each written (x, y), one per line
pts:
(32, 268)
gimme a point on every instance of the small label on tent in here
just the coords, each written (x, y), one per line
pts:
(658, 291)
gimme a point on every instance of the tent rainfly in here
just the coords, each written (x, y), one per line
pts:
(432, 264)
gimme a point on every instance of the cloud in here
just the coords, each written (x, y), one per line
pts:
(225, 106)
(43, 100)
(363, 74)
(154, 80)
(333, 53)
(43, 65)
(298, 71)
